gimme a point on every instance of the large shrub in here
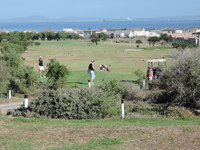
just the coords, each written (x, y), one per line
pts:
(141, 75)
(182, 80)
(72, 104)
(153, 40)
(4, 77)
(10, 48)
(57, 74)
(21, 77)
(110, 86)
(17, 38)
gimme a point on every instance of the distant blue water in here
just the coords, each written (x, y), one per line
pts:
(59, 26)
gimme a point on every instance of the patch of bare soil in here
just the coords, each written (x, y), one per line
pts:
(174, 137)
(13, 100)
(133, 50)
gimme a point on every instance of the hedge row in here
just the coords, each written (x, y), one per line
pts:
(68, 103)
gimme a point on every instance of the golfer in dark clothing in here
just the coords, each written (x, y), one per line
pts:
(91, 70)
(41, 66)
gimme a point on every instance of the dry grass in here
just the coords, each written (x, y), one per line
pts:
(175, 137)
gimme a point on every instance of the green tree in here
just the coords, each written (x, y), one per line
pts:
(153, 40)
(4, 77)
(95, 40)
(8, 47)
(62, 35)
(165, 38)
(96, 37)
(21, 77)
(183, 45)
(57, 74)
(102, 36)
(138, 42)
(16, 37)
(36, 36)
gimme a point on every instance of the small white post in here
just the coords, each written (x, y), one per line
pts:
(143, 84)
(25, 101)
(9, 94)
(89, 84)
(122, 103)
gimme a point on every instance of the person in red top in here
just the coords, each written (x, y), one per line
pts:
(150, 74)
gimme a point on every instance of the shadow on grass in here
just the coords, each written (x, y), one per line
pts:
(82, 83)
(129, 81)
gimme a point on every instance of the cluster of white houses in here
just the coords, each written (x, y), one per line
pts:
(190, 34)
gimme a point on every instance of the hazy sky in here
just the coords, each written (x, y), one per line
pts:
(99, 8)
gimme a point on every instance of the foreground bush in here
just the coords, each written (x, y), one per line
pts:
(181, 82)
(72, 104)
(144, 109)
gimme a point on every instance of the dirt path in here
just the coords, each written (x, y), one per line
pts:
(13, 103)
(5, 107)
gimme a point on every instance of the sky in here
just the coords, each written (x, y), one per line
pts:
(99, 8)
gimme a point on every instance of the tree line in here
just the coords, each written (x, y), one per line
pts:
(45, 35)
(168, 38)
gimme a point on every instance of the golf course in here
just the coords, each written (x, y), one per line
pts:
(142, 127)
(123, 58)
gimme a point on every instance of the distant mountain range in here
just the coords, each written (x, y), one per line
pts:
(66, 19)
(81, 19)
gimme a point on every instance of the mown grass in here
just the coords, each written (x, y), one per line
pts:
(158, 48)
(33, 124)
(76, 55)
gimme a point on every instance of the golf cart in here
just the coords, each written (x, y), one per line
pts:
(153, 71)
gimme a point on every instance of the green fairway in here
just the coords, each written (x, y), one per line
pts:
(76, 54)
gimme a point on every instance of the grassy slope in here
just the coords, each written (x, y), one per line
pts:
(76, 54)
(138, 133)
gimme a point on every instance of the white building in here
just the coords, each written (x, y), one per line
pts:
(70, 30)
(184, 37)
(140, 32)
(131, 33)
(120, 34)
(171, 31)
(192, 30)
(153, 34)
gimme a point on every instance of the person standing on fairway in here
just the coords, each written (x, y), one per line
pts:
(91, 70)
(41, 67)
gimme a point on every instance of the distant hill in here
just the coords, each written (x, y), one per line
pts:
(27, 19)
(46, 19)
(90, 19)
(197, 17)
